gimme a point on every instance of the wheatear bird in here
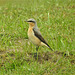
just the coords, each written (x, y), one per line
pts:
(35, 36)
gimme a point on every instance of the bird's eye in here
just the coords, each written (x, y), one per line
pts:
(31, 21)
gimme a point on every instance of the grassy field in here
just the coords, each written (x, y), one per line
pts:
(55, 19)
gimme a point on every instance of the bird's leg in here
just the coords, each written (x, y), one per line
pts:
(36, 54)
(37, 48)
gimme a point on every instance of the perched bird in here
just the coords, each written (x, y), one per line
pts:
(35, 36)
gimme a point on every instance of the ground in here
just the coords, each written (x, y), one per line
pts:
(55, 19)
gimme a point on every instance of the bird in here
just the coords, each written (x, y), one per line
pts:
(34, 34)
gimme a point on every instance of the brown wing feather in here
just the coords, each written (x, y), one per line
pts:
(41, 38)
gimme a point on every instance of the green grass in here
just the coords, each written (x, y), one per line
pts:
(55, 19)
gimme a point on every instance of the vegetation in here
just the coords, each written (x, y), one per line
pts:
(55, 19)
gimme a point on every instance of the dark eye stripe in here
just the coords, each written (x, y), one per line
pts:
(31, 21)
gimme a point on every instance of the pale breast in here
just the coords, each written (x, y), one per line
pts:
(33, 38)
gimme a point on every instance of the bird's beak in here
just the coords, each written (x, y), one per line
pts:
(26, 21)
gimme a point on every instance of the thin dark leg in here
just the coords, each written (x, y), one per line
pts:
(37, 48)
(36, 54)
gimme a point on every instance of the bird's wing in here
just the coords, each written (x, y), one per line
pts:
(39, 36)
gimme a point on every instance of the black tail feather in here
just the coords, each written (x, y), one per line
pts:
(49, 47)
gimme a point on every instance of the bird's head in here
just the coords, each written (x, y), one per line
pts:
(31, 22)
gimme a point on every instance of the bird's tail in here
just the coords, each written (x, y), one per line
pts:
(49, 47)
(45, 44)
